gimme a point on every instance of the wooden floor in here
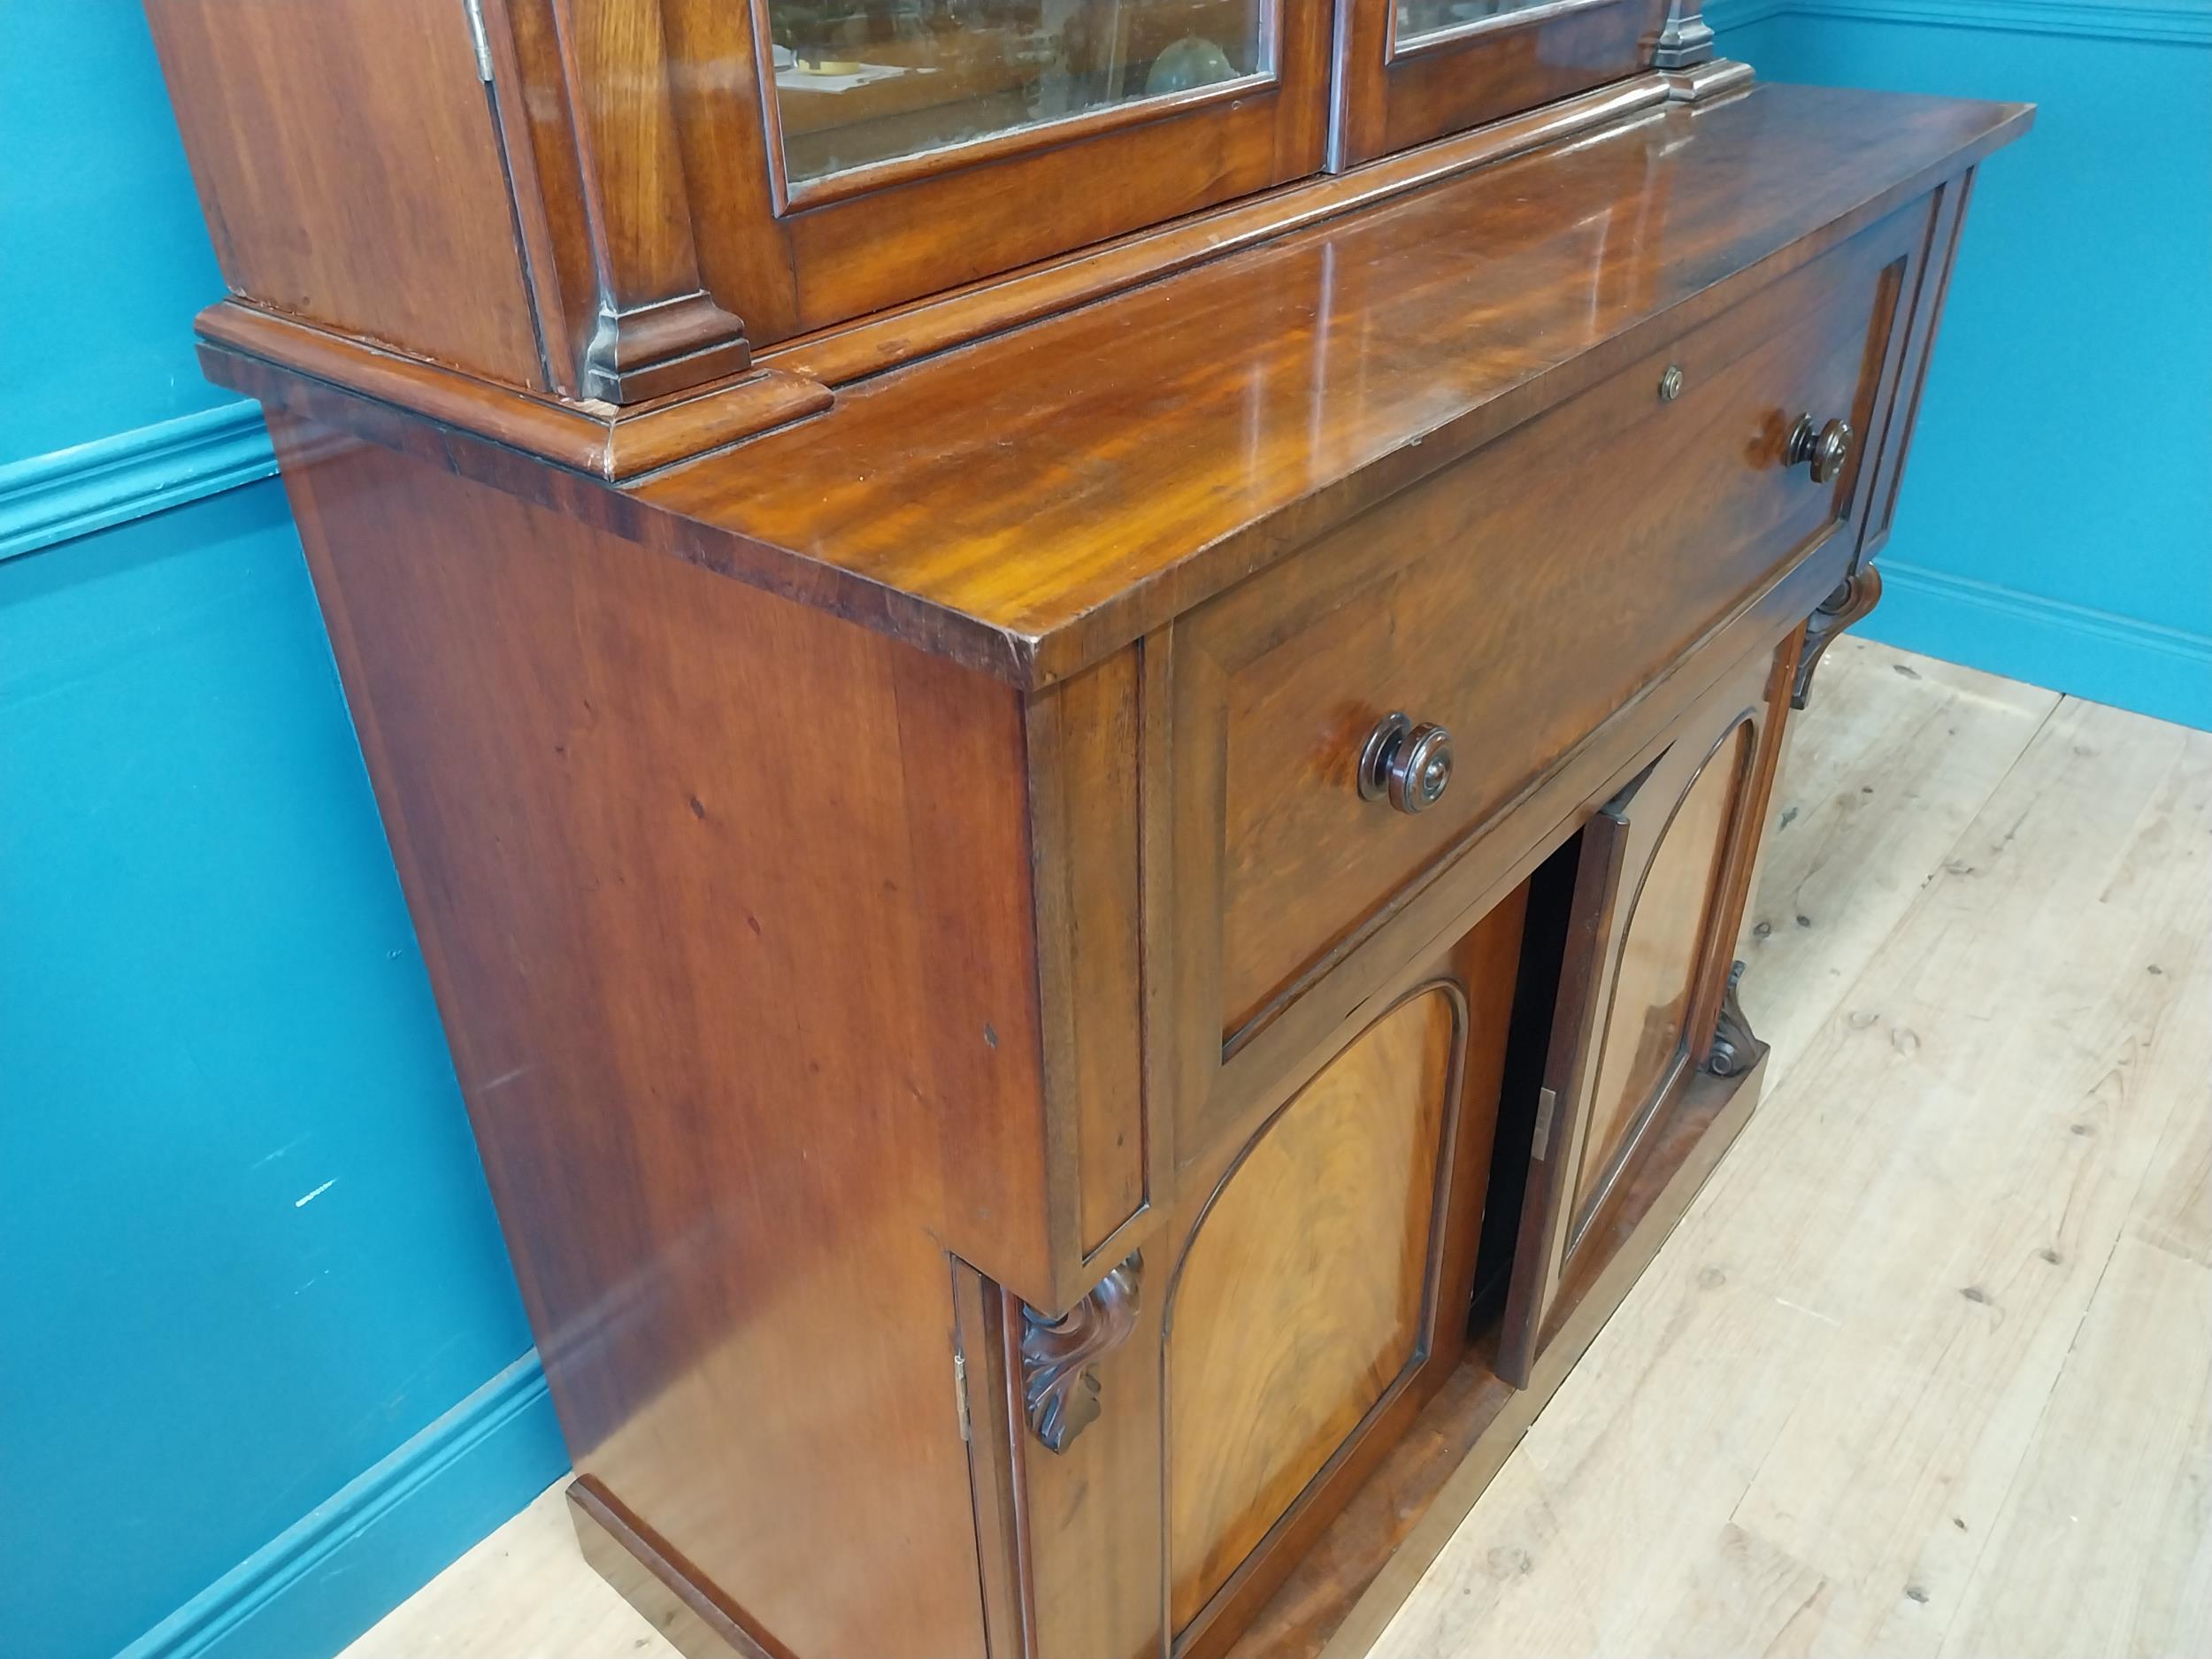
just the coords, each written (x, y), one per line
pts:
(1927, 1368)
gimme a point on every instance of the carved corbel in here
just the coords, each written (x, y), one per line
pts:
(1059, 1389)
(1856, 595)
(1734, 1046)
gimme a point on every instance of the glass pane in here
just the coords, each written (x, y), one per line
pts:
(1418, 19)
(859, 81)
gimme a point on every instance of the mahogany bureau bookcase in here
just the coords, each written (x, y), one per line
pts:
(1076, 697)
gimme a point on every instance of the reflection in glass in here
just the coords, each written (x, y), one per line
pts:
(1419, 20)
(859, 81)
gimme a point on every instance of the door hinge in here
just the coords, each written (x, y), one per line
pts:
(1547, 1102)
(475, 8)
(960, 1389)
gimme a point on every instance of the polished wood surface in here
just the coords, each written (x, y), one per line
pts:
(790, 265)
(950, 1044)
(732, 1102)
(1085, 826)
(1338, 1196)
(637, 1566)
(975, 311)
(587, 94)
(1577, 1194)
(1515, 598)
(297, 116)
(1215, 1092)
(606, 442)
(1005, 556)
(1281, 389)
(1478, 966)
(1647, 1029)
(1842, 1197)
(1394, 94)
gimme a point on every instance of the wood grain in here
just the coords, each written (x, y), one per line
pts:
(1389, 99)
(297, 115)
(1877, 784)
(596, 80)
(1563, 1237)
(2127, 1569)
(732, 1103)
(1705, 1349)
(1660, 956)
(1513, 600)
(608, 442)
(975, 311)
(1923, 1147)
(989, 506)
(964, 219)
(1267, 1377)
(1085, 825)
(1223, 417)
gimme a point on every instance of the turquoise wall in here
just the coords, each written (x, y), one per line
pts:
(262, 1366)
(2056, 521)
(262, 1370)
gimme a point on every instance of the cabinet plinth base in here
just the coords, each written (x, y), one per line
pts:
(629, 1558)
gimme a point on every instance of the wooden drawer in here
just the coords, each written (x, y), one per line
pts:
(1519, 599)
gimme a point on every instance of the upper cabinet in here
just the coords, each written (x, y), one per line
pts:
(608, 203)
(1415, 70)
(850, 155)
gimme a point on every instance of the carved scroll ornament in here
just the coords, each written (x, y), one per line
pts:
(1856, 595)
(1734, 1046)
(1059, 1389)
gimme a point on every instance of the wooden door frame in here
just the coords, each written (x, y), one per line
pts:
(1554, 1224)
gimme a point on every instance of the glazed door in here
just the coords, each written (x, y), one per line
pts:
(1660, 883)
(862, 153)
(1415, 70)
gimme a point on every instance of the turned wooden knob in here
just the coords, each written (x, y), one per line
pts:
(1407, 764)
(1827, 448)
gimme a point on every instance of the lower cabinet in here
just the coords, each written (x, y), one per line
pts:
(1395, 1239)
(1662, 871)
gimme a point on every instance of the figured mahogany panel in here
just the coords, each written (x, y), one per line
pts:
(1299, 1299)
(1661, 953)
(1060, 489)
(350, 170)
(1681, 835)
(746, 1042)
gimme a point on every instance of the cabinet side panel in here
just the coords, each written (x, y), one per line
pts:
(350, 173)
(725, 903)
